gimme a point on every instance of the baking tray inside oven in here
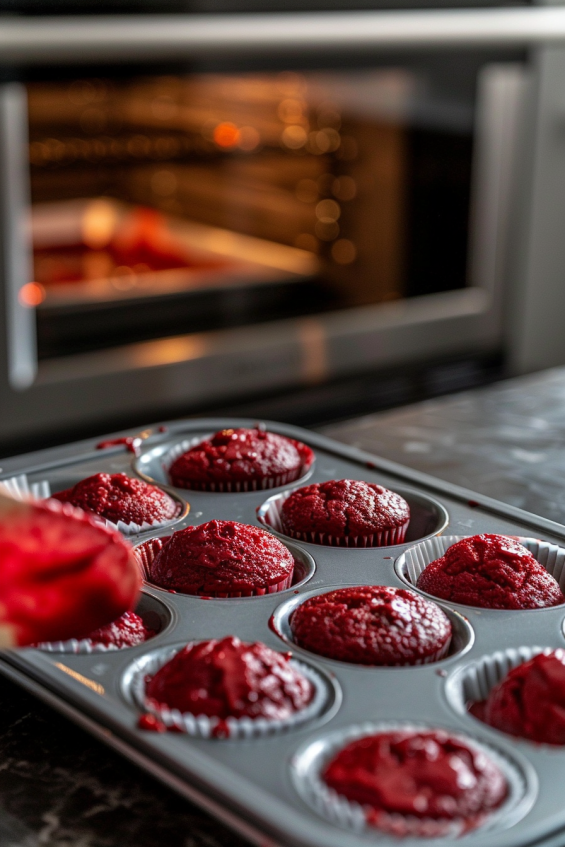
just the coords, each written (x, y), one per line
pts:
(260, 786)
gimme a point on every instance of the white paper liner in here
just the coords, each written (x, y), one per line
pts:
(20, 488)
(474, 682)
(147, 550)
(202, 726)
(308, 766)
(227, 487)
(413, 561)
(270, 515)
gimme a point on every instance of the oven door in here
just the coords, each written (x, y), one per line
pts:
(327, 211)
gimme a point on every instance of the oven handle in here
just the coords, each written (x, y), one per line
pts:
(83, 39)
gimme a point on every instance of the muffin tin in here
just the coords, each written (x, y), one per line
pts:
(263, 786)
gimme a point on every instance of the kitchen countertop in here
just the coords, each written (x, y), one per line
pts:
(61, 788)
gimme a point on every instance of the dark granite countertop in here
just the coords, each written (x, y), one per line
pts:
(61, 788)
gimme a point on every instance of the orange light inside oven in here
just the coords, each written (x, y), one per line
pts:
(226, 135)
(31, 294)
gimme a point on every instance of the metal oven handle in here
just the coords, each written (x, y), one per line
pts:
(121, 38)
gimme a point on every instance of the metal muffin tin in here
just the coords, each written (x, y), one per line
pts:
(256, 784)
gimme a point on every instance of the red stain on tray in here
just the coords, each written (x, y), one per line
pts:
(473, 504)
(132, 443)
(221, 730)
(150, 723)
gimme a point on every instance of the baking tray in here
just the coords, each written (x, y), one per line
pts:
(255, 785)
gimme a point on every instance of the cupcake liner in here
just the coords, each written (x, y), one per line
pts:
(474, 682)
(147, 550)
(308, 764)
(20, 488)
(203, 726)
(413, 561)
(270, 515)
(229, 486)
(145, 609)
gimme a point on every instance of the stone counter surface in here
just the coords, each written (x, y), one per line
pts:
(61, 788)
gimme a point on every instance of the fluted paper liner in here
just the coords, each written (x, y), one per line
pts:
(20, 488)
(307, 767)
(203, 726)
(270, 515)
(228, 487)
(147, 551)
(473, 682)
(413, 561)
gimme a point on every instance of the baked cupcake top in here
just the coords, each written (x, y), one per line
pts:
(118, 497)
(422, 774)
(229, 678)
(241, 455)
(372, 625)
(126, 631)
(343, 507)
(493, 572)
(530, 700)
(221, 557)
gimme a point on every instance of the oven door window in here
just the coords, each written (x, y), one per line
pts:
(170, 205)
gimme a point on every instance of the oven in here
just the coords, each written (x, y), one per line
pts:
(204, 207)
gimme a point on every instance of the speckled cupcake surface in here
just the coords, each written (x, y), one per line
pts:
(230, 678)
(223, 558)
(408, 775)
(118, 497)
(346, 512)
(530, 700)
(492, 572)
(372, 625)
(246, 458)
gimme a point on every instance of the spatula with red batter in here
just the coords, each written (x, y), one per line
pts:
(62, 574)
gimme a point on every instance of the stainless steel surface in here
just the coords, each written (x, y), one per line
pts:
(21, 364)
(251, 782)
(118, 38)
(506, 441)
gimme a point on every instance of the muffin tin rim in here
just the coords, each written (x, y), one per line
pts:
(310, 567)
(444, 520)
(328, 710)
(284, 610)
(519, 763)
(159, 450)
(400, 565)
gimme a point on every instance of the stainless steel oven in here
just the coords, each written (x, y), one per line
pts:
(197, 207)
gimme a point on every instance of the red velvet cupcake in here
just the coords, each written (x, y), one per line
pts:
(241, 460)
(120, 499)
(126, 631)
(223, 559)
(372, 625)
(346, 513)
(417, 782)
(492, 572)
(228, 687)
(530, 700)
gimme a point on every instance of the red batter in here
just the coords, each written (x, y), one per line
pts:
(230, 678)
(530, 701)
(427, 774)
(241, 455)
(222, 558)
(371, 625)
(62, 574)
(491, 571)
(344, 508)
(127, 631)
(118, 497)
